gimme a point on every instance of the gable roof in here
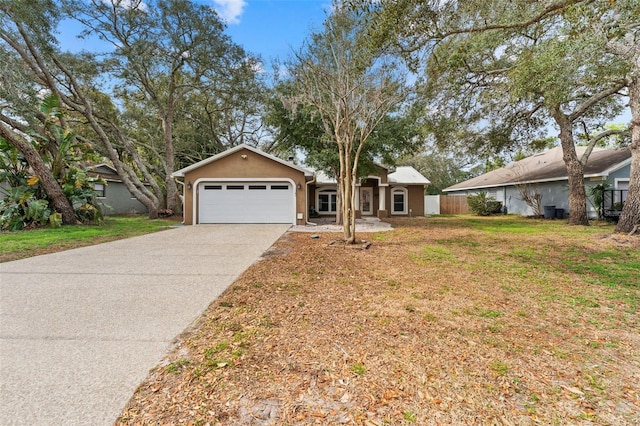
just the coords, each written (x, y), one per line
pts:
(181, 172)
(547, 167)
(408, 175)
(104, 171)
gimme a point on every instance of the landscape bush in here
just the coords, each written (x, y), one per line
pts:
(25, 204)
(482, 205)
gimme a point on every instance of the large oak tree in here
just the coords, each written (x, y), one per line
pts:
(166, 54)
(169, 67)
(500, 71)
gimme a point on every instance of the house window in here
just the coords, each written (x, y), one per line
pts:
(621, 190)
(327, 201)
(101, 189)
(399, 201)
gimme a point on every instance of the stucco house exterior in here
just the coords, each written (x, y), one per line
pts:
(547, 174)
(246, 185)
(114, 197)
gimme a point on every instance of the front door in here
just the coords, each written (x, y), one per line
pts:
(366, 201)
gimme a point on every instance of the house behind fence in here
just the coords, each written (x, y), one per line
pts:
(545, 174)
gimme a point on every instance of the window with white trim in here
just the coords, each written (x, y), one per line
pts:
(622, 184)
(621, 190)
(399, 201)
(327, 201)
(101, 190)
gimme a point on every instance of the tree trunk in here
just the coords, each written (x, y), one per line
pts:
(347, 207)
(170, 184)
(630, 215)
(60, 201)
(575, 170)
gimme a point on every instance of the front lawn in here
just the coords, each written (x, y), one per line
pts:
(27, 243)
(450, 320)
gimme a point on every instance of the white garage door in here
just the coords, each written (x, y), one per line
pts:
(246, 202)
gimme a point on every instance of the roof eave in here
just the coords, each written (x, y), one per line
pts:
(526, 182)
(183, 171)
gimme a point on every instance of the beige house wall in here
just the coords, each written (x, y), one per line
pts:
(415, 197)
(243, 164)
(416, 200)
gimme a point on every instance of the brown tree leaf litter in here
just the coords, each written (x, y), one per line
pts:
(436, 323)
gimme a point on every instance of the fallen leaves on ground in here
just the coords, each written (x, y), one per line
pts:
(436, 323)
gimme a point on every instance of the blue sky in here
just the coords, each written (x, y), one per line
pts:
(268, 28)
(273, 28)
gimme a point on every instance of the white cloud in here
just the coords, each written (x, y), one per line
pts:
(230, 10)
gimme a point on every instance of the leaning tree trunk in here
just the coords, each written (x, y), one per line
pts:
(630, 215)
(170, 159)
(51, 186)
(575, 171)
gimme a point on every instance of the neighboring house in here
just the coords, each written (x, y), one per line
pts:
(4, 187)
(246, 185)
(546, 173)
(114, 197)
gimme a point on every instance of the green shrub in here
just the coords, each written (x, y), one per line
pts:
(21, 209)
(482, 205)
(26, 204)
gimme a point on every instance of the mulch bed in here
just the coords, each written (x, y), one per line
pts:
(429, 325)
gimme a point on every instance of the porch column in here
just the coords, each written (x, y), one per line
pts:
(382, 205)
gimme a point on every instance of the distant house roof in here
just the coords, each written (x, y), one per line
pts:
(181, 172)
(323, 179)
(547, 167)
(105, 172)
(408, 175)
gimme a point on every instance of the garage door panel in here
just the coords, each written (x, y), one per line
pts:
(246, 202)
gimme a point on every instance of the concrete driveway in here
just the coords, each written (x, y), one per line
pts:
(79, 330)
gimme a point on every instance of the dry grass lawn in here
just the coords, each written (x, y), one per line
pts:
(451, 320)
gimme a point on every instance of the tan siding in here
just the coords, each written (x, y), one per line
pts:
(416, 200)
(415, 195)
(233, 166)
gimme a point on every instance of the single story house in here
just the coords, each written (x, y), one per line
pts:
(114, 197)
(547, 173)
(246, 185)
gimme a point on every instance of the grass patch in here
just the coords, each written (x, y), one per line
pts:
(432, 253)
(176, 367)
(33, 242)
(613, 269)
(510, 225)
(499, 367)
(410, 416)
(358, 369)
(490, 313)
